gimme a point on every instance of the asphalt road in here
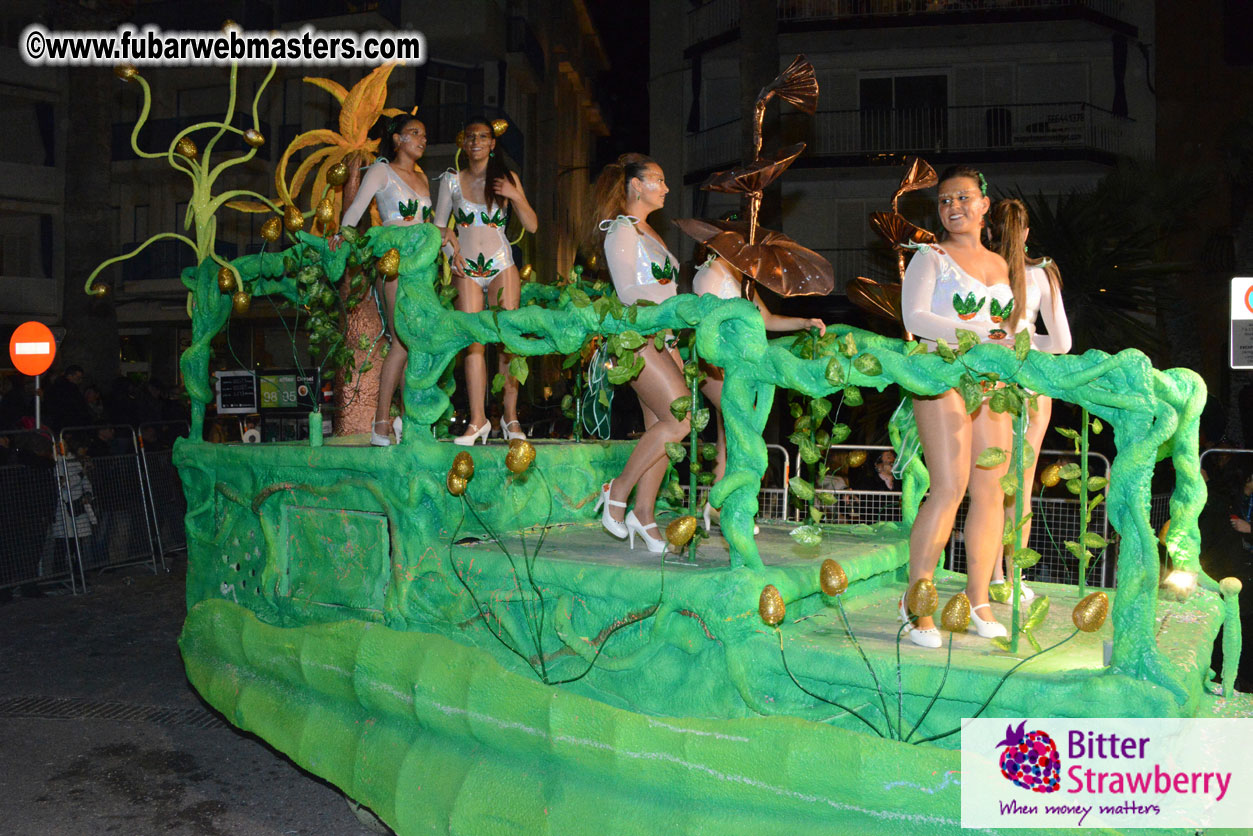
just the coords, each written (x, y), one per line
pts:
(100, 733)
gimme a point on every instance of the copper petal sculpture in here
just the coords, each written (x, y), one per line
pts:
(899, 232)
(774, 260)
(755, 176)
(919, 175)
(878, 298)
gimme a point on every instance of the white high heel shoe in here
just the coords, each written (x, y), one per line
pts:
(377, 440)
(929, 638)
(479, 434)
(633, 525)
(986, 629)
(617, 528)
(1027, 593)
(508, 434)
(396, 427)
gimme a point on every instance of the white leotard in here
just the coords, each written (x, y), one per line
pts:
(938, 297)
(1042, 298)
(714, 276)
(397, 202)
(484, 244)
(641, 267)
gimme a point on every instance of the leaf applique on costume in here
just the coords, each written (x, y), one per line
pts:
(408, 209)
(664, 274)
(428, 214)
(481, 268)
(464, 218)
(999, 313)
(497, 218)
(968, 307)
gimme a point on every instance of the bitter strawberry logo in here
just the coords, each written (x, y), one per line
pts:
(1030, 759)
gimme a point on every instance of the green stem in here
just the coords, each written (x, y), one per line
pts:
(1015, 573)
(879, 688)
(783, 656)
(693, 444)
(947, 665)
(1083, 505)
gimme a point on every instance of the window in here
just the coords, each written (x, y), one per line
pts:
(904, 113)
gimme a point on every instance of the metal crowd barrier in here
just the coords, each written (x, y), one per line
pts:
(156, 445)
(113, 528)
(772, 498)
(31, 505)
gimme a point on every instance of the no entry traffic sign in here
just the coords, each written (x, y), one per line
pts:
(32, 348)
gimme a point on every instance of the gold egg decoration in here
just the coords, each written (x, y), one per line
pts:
(254, 137)
(226, 280)
(126, 72)
(271, 229)
(1163, 532)
(337, 174)
(956, 615)
(770, 606)
(593, 262)
(856, 458)
(831, 578)
(325, 212)
(521, 454)
(461, 138)
(388, 264)
(456, 484)
(229, 24)
(499, 126)
(463, 465)
(679, 532)
(187, 148)
(526, 272)
(1051, 475)
(1230, 586)
(241, 302)
(923, 597)
(1089, 614)
(293, 219)
(101, 290)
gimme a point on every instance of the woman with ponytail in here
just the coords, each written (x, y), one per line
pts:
(960, 284)
(1042, 294)
(402, 193)
(642, 269)
(480, 198)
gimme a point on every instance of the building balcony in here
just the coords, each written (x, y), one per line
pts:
(717, 21)
(985, 133)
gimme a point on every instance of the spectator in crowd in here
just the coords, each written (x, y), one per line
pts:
(65, 405)
(95, 405)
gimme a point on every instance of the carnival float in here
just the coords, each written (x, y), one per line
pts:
(446, 635)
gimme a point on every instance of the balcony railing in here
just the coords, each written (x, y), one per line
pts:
(996, 128)
(718, 17)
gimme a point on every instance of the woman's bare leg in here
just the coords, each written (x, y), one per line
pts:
(944, 429)
(1036, 428)
(657, 385)
(506, 291)
(712, 390)
(986, 518)
(393, 364)
(470, 300)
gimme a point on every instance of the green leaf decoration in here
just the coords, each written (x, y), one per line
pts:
(496, 219)
(801, 489)
(602, 397)
(848, 345)
(840, 433)
(518, 368)
(999, 313)
(794, 409)
(1096, 500)
(481, 268)
(1025, 558)
(971, 392)
(1001, 643)
(659, 341)
(803, 424)
(807, 535)
(1066, 432)
(578, 298)
(498, 383)
(705, 479)
(676, 452)
(1096, 483)
(673, 491)
(1094, 541)
(1097, 426)
(998, 402)
(815, 514)
(408, 209)
(835, 372)
(1075, 549)
(809, 451)
(966, 340)
(1035, 644)
(819, 408)
(663, 273)
(1000, 592)
(868, 365)
(1022, 345)
(1074, 486)
(679, 406)
(1069, 471)
(946, 353)
(1038, 612)
(631, 340)
(349, 234)
(619, 374)
(991, 457)
(701, 419)
(1009, 486)
(463, 218)
(852, 396)
(601, 307)
(915, 347)
(709, 451)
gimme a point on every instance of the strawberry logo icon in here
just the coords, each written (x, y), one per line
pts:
(1030, 759)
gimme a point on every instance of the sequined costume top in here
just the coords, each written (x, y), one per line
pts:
(938, 297)
(397, 202)
(641, 266)
(714, 276)
(1043, 298)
